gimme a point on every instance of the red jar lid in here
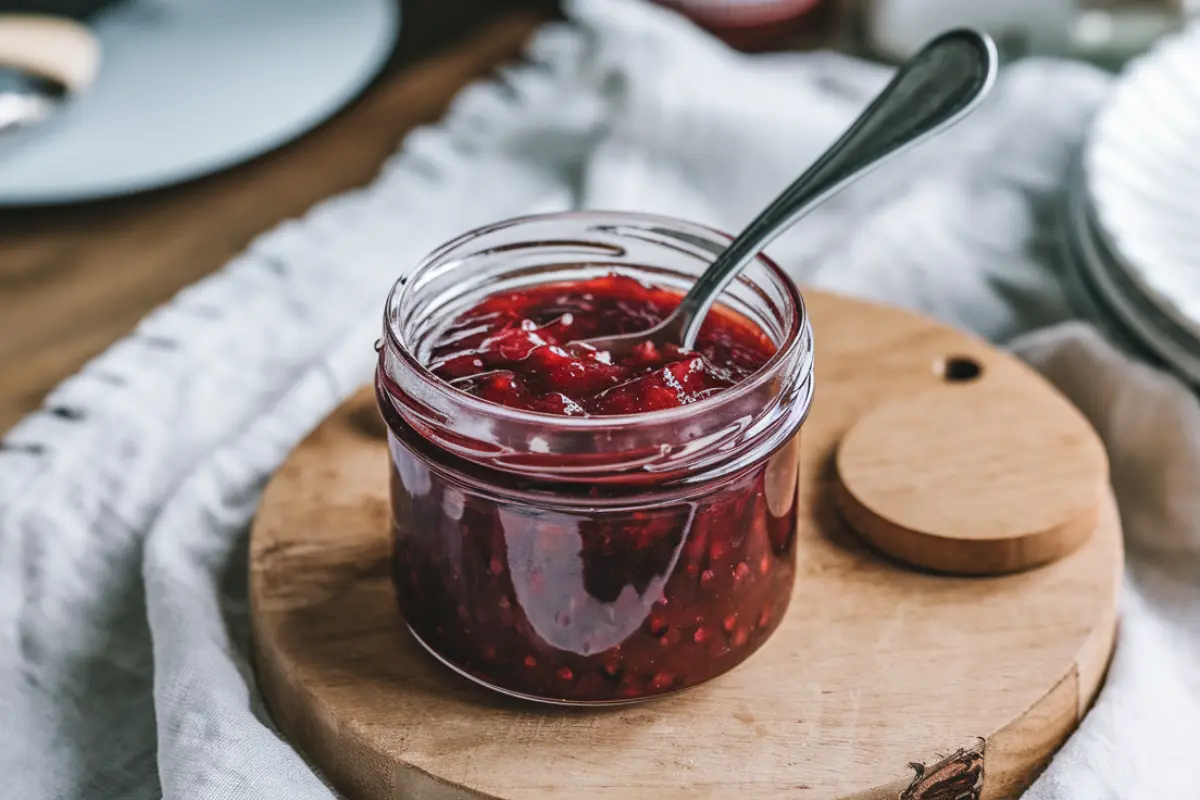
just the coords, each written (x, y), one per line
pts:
(750, 24)
(742, 13)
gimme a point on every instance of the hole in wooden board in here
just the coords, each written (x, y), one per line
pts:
(958, 369)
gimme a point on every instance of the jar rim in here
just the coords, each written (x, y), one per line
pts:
(794, 337)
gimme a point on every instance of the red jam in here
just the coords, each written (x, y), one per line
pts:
(603, 593)
(516, 349)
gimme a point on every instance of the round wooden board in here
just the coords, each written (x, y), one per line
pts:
(882, 681)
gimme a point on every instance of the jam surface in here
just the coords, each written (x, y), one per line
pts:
(521, 349)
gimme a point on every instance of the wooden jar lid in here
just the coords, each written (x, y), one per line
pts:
(990, 472)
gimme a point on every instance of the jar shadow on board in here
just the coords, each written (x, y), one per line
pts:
(591, 559)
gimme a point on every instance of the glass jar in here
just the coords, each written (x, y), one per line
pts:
(591, 559)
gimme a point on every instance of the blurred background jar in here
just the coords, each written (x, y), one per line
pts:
(762, 24)
(1105, 32)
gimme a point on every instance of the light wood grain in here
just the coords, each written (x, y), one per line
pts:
(983, 477)
(875, 668)
(74, 279)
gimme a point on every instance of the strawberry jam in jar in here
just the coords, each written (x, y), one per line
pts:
(574, 527)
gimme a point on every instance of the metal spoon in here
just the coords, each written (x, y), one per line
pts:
(26, 98)
(937, 87)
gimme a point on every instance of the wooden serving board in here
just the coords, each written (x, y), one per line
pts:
(883, 681)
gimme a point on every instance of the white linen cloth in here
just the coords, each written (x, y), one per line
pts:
(124, 505)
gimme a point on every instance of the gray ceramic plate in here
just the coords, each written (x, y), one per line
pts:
(189, 87)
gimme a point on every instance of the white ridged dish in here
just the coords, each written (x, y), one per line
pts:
(1141, 179)
(1102, 292)
(1086, 298)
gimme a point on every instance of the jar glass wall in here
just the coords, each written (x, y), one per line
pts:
(591, 559)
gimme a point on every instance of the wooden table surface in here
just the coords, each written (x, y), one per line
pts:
(75, 279)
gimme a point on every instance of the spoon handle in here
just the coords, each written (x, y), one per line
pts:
(936, 88)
